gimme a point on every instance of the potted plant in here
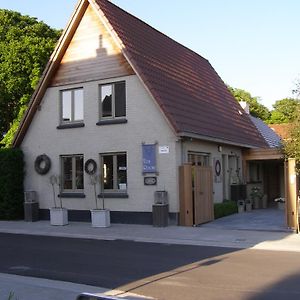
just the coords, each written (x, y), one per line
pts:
(256, 197)
(100, 216)
(58, 214)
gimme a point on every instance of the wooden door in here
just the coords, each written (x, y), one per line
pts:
(203, 195)
(196, 195)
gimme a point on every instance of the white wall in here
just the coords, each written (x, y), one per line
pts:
(145, 124)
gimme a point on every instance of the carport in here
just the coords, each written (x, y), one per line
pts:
(277, 178)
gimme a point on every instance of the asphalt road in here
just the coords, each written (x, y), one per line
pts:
(161, 271)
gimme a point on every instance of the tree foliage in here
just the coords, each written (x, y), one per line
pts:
(292, 144)
(285, 111)
(256, 109)
(25, 47)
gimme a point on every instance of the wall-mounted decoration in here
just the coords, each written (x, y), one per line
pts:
(150, 180)
(42, 164)
(217, 170)
(149, 158)
(90, 167)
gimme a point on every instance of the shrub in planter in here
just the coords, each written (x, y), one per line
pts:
(224, 209)
(11, 184)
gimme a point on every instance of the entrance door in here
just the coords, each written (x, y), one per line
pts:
(203, 202)
(196, 195)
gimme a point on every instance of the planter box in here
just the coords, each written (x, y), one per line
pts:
(100, 217)
(58, 216)
(281, 205)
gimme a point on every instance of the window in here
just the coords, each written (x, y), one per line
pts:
(114, 172)
(72, 106)
(254, 172)
(199, 159)
(72, 173)
(113, 100)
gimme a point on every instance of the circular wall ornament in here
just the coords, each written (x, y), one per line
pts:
(42, 164)
(90, 167)
(218, 167)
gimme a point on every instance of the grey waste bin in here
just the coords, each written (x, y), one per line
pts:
(160, 209)
(31, 207)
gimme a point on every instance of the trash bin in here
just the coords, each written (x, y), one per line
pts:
(241, 206)
(160, 209)
(31, 207)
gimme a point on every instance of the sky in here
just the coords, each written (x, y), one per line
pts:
(252, 44)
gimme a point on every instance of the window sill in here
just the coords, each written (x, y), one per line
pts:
(71, 195)
(71, 125)
(113, 195)
(111, 121)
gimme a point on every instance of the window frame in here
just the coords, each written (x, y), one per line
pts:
(115, 189)
(72, 120)
(113, 116)
(74, 189)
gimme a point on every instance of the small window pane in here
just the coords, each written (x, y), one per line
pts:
(67, 106)
(122, 171)
(79, 172)
(108, 183)
(67, 173)
(78, 105)
(120, 100)
(106, 100)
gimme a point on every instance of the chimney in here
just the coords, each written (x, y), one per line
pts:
(245, 106)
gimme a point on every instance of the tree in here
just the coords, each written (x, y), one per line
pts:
(291, 145)
(285, 111)
(25, 47)
(256, 109)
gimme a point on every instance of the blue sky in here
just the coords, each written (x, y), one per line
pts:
(252, 44)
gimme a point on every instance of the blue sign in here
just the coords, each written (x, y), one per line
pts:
(149, 158)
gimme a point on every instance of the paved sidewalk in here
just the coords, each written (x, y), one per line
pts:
(207, 235)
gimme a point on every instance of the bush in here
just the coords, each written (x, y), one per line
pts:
(11, 184)
(225, 209)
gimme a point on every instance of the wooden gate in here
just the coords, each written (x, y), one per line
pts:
(196, 195)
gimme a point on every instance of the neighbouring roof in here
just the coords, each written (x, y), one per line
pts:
(283, 130)
(194, 99)
(271, 137)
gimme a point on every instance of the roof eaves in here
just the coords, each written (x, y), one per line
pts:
(216, 140)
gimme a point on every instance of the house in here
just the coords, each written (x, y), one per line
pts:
(123, 101)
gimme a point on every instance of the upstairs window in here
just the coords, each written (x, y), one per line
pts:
(72, 106)
(113, 100)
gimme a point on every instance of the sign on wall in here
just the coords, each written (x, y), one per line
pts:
(149, 158)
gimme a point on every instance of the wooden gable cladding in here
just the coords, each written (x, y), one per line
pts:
(91, 55)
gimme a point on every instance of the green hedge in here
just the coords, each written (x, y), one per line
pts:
(224, 209)
(11, 184)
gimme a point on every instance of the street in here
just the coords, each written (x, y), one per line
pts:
(161, 271)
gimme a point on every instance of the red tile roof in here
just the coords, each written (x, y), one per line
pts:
(193, 97)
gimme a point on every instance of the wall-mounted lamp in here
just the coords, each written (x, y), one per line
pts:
(219, 148)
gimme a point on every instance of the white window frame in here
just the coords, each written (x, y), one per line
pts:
(74, 189)
(72, 121)
(115, 189)
(113, 108)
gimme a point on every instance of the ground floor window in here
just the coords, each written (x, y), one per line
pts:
(114, 172)
(198, 159)
(72, 173)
